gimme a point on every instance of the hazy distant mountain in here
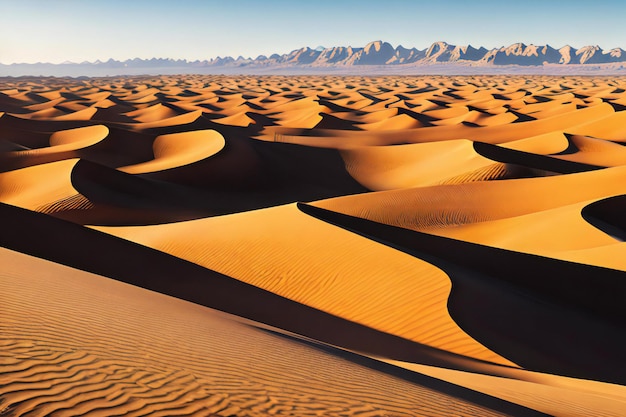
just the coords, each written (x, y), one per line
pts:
(377, 53)
(522, 54)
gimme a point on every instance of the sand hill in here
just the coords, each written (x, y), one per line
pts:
(305, 246)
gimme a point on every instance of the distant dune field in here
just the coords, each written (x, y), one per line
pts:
(313, 246)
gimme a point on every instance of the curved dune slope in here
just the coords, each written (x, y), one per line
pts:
(312, 268)
(540, 215)
(404, 166)
(178, 149)
(62, 144)
(80, 342)
(384, 245)
(513, 304)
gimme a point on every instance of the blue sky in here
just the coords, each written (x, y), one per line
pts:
(79, 30)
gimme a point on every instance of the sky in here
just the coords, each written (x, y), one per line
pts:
(89, 30)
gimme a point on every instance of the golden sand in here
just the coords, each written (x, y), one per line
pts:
(398, 246)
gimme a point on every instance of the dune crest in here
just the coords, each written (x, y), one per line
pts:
(178, 149)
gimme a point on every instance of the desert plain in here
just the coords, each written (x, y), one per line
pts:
(313, 246)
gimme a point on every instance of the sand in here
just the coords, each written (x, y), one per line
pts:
(312, 245)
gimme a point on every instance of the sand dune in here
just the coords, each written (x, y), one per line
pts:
(414, 165)
(116, 349)
(527, 306)
(35, 186)
(282, 242)
(178, 149)
(332, 246)
(63, 144)
(549, 224)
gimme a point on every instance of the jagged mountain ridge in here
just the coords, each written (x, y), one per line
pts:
(383, 53)
(377, 53)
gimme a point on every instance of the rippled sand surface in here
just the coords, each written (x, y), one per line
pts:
(313, 246)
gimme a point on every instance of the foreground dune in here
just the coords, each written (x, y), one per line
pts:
(391, 292)
(301, 246)
(76, 343)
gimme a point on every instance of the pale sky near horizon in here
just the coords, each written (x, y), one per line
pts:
(88, 30)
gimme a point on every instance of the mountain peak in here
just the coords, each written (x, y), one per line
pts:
(375, 53)
(375, 45)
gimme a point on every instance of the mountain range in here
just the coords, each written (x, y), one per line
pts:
(377, 53)
(383, 53)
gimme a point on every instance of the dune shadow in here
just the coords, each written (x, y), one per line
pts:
(608, 216)
(531, 160)
(541, 313)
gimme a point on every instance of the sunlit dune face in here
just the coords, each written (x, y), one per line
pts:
(378, 234)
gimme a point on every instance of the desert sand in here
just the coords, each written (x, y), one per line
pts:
(313, 245)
